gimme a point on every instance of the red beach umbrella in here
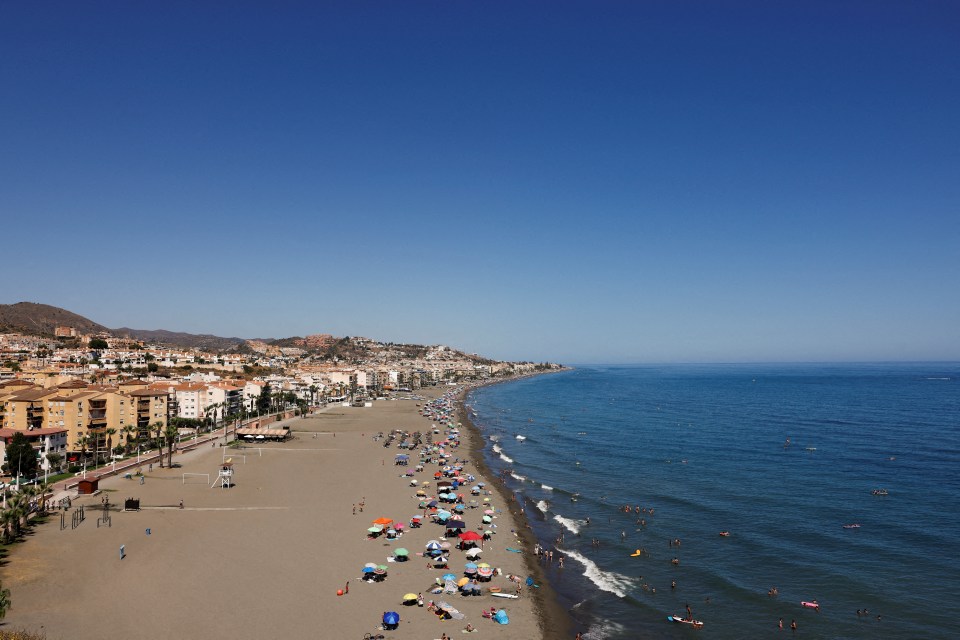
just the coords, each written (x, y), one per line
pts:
(470, 535)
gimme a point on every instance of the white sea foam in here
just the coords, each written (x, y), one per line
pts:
(546, 487)
(515, 476)
(542, 505)
(605, 629)
(506, 458)
(496, 448)
(609, 581)
(573, 526)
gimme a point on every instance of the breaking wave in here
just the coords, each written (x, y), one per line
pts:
(608, 581)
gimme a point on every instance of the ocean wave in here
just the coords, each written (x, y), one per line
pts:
(546, 487)
(605, 629)
(542, 505)
(497, 449)
(506, 458)
(514, 475)
(573, 526)
(609, 581)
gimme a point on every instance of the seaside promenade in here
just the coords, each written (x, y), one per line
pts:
(267, 557)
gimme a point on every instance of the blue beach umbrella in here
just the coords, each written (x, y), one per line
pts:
(433, 545)
(391, 617)
(367, 570)
(470, 567)
(449, 576)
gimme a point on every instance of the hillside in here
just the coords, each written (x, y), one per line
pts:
(41, 319)
(179, 339)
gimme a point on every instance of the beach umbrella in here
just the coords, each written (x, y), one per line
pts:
(456, 524)
(444, 545)
(483, 565)
(470, 535)
(409, 598)
(383, 521)
(449, 576)
(462, 581)
(433, 545)
(432, 504)
(376, 529)
(383, 567)
(487, 519)
(400, 552)
(473, 553)
(391, 617)
(486, 499)
(485, 572)
(470, 568)
(489, 512)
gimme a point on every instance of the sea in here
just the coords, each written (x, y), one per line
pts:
(780, 457)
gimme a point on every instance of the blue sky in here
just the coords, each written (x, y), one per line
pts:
(567, 181)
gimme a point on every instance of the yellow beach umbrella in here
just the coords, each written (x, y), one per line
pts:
(409, 597)
(462, 581)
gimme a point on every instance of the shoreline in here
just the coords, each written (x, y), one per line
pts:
(267, 557)
(553, 619)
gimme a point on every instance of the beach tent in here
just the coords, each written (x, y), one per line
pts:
(469, 536)
(500, 617)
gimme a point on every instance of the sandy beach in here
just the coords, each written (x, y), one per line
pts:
(267, 557)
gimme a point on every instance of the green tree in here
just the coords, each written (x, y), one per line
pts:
(21, 457)
(264, 401)
(153, 367)
(110, 433)
(170, 432)
(129, 437)
(54, 459)
(158, 428)
(98, 343)
(5, 603)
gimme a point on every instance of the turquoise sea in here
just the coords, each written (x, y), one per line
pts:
(706, 447)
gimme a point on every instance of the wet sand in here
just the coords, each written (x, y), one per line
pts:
(266, 557)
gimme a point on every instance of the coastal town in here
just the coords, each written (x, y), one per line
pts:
(82, 400)
(167, 448)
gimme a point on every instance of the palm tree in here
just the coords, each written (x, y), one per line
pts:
(129, 433)
(170, 432)
(5, 604)
(6, 523)
(44, 491)
(110, 433)
(19, 509)
(82, 441)
(158, 427)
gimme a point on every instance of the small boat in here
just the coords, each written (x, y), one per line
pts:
(853, 525)
(696, 624)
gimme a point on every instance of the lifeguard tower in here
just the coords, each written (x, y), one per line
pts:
(225, 478)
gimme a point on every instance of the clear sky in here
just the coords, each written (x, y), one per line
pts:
(568, 181)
